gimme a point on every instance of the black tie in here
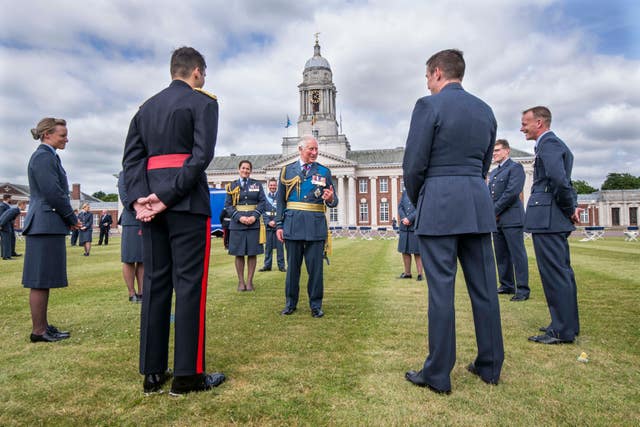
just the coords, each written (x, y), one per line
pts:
(244, 183)
(305, 168)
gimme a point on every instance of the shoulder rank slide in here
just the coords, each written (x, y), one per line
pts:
(209, 94)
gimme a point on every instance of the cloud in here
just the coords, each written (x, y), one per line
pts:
(94, 64)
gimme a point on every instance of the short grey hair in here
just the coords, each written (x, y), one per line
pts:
(304, 139)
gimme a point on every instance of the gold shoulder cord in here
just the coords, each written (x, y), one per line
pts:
(209, 94)
(235, 193)
(290, 183)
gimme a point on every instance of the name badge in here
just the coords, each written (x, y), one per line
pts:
(319, 180)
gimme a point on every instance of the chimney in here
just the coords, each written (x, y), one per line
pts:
(75, 192)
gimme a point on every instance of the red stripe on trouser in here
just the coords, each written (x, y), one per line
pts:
(167, 161)
(203, 300)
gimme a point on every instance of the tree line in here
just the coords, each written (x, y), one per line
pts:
(614, 181)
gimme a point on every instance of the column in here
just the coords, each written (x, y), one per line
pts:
(374, 201)
(352, 202)
(393, 206)
(342, 203)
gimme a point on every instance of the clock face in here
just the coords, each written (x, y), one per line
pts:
(315, 97)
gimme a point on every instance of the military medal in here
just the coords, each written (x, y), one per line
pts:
(318, 192)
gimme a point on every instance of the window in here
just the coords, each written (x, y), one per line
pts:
(364, 212)
(363, 185)
(316, 133)
(384, 211)
(633, 216)
(384, 185)
(96, 220)
(615, 216)
(584, 216)
(333, 214)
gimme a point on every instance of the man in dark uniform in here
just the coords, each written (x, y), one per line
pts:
(170, 143)
(105, 227)
(446, 160)
(304, 192)
(269, 218)
(552, 211)
(4, 205)
(506, 182)
(7, 230)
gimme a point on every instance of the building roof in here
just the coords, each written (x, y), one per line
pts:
(515, 153)
(376, 157)
(227, 163)
(317, 61)
(24, 189)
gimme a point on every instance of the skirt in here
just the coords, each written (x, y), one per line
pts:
(131, 244)
(84, 236)
(408, 243)
(245, 242)
(45, 262)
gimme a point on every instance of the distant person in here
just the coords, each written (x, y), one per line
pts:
(86, 229)
(74, 232)
(4, 205)
(305, 190)
(505, 183)
(552, 211)
(224, 223)
(7, 230)
(244, 205)
(105, 227)
(269, 218)
(130, 246)
(48, 220)
(446, 160)
(408, 242)
(169, 146)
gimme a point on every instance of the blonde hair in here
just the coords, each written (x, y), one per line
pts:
(46, 126)
(85, 205)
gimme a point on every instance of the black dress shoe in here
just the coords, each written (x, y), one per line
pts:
(472, 368)
(404, 276)
(52, 330)
(153, 382)
(284, 270)
(519, 297)
(506, 291)
(548, 339)
(288, 310)
(190, 383)
(7, 259)
(416, 379)
(419, 279)
(265, 269)
(16, 254)
(46, 337)
(317, 312)
(545, 329)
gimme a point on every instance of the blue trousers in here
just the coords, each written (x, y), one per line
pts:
(439, 256)
(558, 283)
(271, 243)
(312, 253)
(511, 258)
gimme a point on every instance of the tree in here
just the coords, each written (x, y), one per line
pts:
(621, 181)
(99, 195)
(583, 187)
(111, 197)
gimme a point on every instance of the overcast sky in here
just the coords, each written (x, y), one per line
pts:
(94, 62)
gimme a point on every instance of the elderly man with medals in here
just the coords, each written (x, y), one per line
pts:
(304, 192)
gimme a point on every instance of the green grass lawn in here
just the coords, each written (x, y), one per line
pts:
(344, 369)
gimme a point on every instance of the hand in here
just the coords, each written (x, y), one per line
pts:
(251, 220)
(148, 207)
(272, 224)
(280, 235)
(327, 194)
(405, 221)
(575, 218)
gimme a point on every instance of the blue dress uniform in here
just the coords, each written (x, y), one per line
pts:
(105, 227)
(270, 214)
(84, 236)
(506, 183)
(47, 223)
(447, 157)
(247, 200)
(7, 231)
(301, 216)
(131, 241)
(169, 146)
(408, 241)
(548, 218)
(3, 207)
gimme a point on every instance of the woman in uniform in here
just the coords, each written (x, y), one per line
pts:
(130, 246)
(244, 204)
(408, 242)
(86, 230)
(46, 226)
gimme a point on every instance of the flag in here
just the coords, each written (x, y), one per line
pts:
(288, 122)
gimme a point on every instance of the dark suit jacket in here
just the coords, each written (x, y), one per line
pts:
(506, 183)
(3, 207)
(128, 215)
(253, 194)
(106, 221)
(270, 211)
(446, 159)
(177, 120)
(50, 210)
(553, 199)
(8, 217)
(406, 210)
(297, 224)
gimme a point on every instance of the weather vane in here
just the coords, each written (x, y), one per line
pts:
(316, 34)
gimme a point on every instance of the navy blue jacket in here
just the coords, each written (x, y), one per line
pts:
(128, 215)
(3, 207)
(50, 210)
(446, 160)
(304, 225)
(406, 210)
(270, 211)
(8, 217)
(253, 194)
(506, 183)
(553, 199)
(177, 120)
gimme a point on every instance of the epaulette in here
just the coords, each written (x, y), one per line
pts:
(209, 94)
